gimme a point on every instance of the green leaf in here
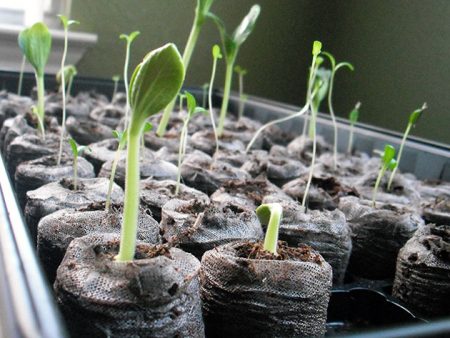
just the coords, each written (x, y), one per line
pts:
(345, 64)
(74, 146)
(69, 72)
(246, 26)
(354, 114)
(392, 164)
(321, 83)
(416, 114)
(191, 102)
(82, 149)
(36, 43)
(388, 154)
(203, 7)
(200, 110)
(217, 54)
(66, 22)
(116, 78)
(147, 127)
(317, 47)
(117, 134)
(155, 83)
(129, 38)
(242, 71)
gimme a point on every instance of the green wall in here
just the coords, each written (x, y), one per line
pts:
(400, 49)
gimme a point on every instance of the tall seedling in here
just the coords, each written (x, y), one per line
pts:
(36, 43)
(270, 215)
(216, 53)
(413, 117)
(231, 45)
(154, 84)
(353, 118)
(334, 68)
(129, 39)
(242, 97)
(388, 162)
(201, 14)
(66, 24)
(76, 152)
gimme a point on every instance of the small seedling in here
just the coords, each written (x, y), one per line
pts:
(129, 39)
(35, 43)
(181, 97)
(192, 110)
(270, 214)
(205, 88)
(22, 70)
(116, 79)
(242, 97)
(154, 84)
(353, 118)
(310, 94)
(231, 45)
(76, 151)
(334, 68)
(388, 162)
(216, 53)
(201, 14)
(70, 71)
(62, 75)
(121, 136)
(413, 117)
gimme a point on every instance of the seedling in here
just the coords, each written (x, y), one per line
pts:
(310, 94)
(181, 97)
(192, 110)
(205, 88)
(62, 73)
(22, 69)
(242, 97)
(270, 215)
(217, 54)
(231, 45)
(154, 84)
(388, 162)
(201, 14)
(35, 43)
(413, 117)
(116, 79)
(334, 68)
(76, 151)
(70, 71)
(129, 39)
(121, 136)
(353, 118)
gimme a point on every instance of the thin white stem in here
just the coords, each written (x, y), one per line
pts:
(313, 159)
(125, 80)
(211, 113)
(181, 152)
(377, 183)
(350, 140)
(63, 92)
(22, 69)
(400, 152)
(241, 95)
(333, 119)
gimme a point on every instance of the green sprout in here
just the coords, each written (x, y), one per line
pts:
(181, 97)
(270, 214)
(129, 39)
(154, 84)
(22, 70)
(353, 118)
(70, 71)
(76, 151)
(35, 43)
(413, 117)
(216, 56)
(231, 45)
(121, 136)
(242, 97)
(62, 74)
(205, 88)
(201, 14)
(334, 68)
(147, 127)
(192, 110)
(310, 94)
(116, 79)
(388, 162)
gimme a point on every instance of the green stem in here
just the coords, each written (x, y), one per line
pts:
(313, 159)
(131, 202)
(125, 80)
(187, 54)
(40, 104)
(63, 92)
(271, 239)
(333, 119)
(241, 95)
(75, 172)
(211, 113)
(405, 135)
(22, 69)
(377, 183)
(113, 174)
(226, 96)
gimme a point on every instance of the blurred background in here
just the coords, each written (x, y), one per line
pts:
(400, 50)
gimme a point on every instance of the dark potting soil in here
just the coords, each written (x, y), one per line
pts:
(87, 131)
(155, 295)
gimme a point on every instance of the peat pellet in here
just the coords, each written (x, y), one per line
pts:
(108, 115)
(204, 140)
(301, 148)
(248, 292)
(423, 269)
(87, 131)
(437, 211)
(154, 295)
(101, 152)
(61, 195)
(33, 174)
(154, 194)
(57, 230)
(377, 236)
(197, 227)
